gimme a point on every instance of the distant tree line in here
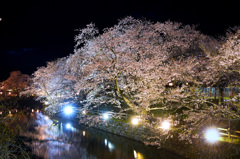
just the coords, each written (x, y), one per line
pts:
(15, 84)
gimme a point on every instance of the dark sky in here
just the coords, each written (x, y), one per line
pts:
(33, 32)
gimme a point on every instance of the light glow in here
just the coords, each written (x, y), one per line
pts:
(84, 112)
(84, 133)
(68, 126)
(170, 84)
(105, 116)
(165, 125)
(135, 121)
(212, 135)
(68, 110)
(111, 146)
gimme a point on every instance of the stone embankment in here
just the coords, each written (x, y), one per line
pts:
(167, 140)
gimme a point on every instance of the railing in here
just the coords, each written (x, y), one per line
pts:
(227, 132)
(111, 113)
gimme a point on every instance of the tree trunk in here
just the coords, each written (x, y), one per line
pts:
(215, 93)
(125, 98)
(220, 95)
(231, 93)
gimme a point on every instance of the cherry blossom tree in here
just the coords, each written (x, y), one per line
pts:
(17, 82)
(136, 58)
(228, 61)
(224, 61)
(222, 70)
(51, 85)
(131, 65)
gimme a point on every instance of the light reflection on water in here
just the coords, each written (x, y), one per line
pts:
(58, 140)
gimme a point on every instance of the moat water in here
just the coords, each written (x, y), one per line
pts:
(53, 139)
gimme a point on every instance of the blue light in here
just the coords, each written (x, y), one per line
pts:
(68, 110)
(68, 126)
(105, 116)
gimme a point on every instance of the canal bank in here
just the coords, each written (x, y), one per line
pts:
(168, 141)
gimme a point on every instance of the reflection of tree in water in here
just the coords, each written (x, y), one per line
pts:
(56, 149)
(52, 139)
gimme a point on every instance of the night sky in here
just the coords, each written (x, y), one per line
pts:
(33, 32)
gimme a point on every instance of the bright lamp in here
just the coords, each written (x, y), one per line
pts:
(212, 135)
(68, 110)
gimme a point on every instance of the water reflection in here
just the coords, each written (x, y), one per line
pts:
(109, 145)
(64, 140)
(137, 155)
